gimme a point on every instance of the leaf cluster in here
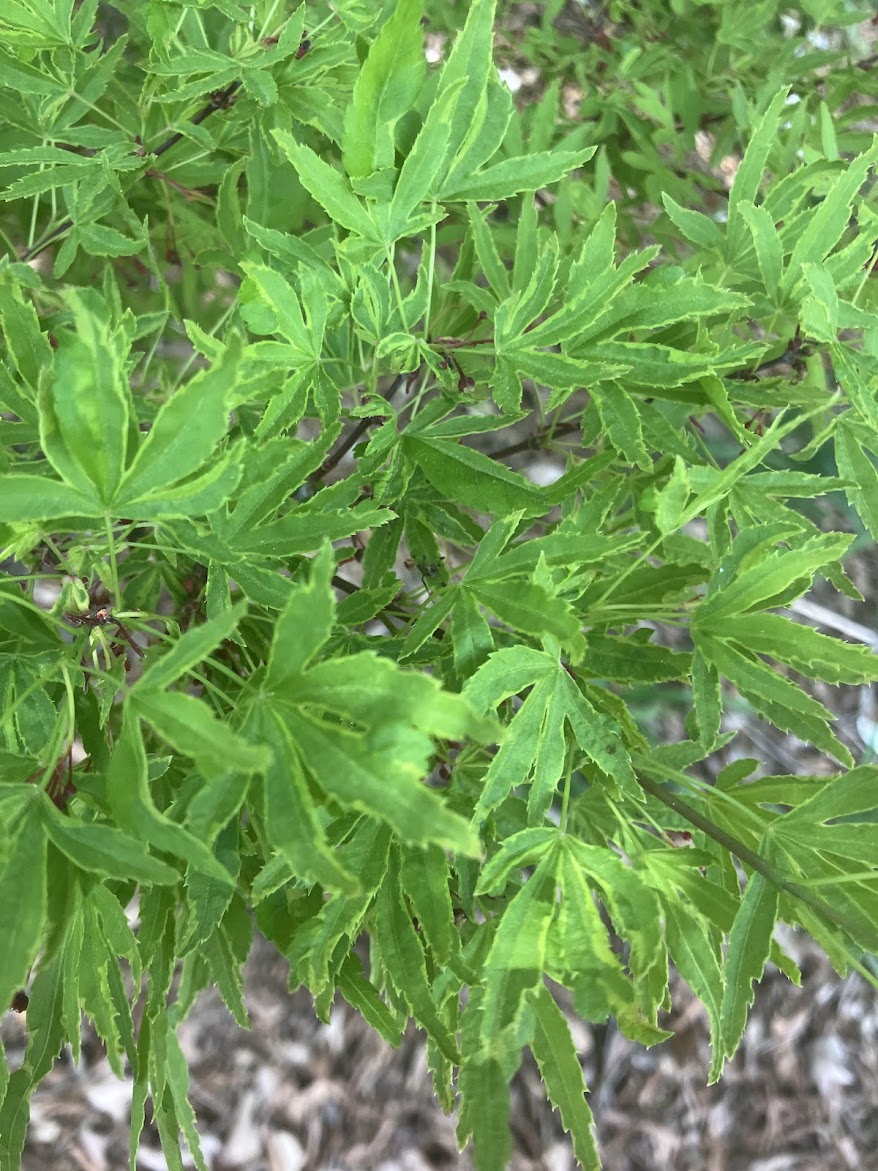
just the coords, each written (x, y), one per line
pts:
(292, 633)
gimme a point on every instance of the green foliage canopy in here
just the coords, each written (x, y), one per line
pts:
(331, 659)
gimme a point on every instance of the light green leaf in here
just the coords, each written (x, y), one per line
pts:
(561, 1071)
(512, 176)
(280, 298)
(776, 698)
(89, 401)
(102, 240)
(621, 421)
(485, 134)
(423, 165)
(190, 727)
(467, 70)
(305, 623)
(382, 775)
(856, 378)
(304, 530)
(749, 945)
(37, 498)
(531, 609)
(22, 900)
(102, 849)
(768, 246)
(853, 463)
(802, 648)
(225, 974)
(695, 951)
(748, 176)
(819, 311)
(672, 499)
(404, 960)
(838, 797)
(177, 1070)
(781, 574)
(707, 698)
(828, 222)
(364, 998)
(524, 307)
(132, 806)
(524, 848)
(190, 649)
(25, 343)
(468, 476)
(695, 226)
(291, 822)
(386, 88)
(484, 1113)
(186, 431)
(425, 877)
(327, 186)
(200, 495)
(486, 250)
(523, 929)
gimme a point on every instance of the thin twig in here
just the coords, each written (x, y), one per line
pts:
(349, 440)
(756, 862)
(534, 441)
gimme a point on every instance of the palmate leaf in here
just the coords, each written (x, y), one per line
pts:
(524, 848)
(280, 299)
(582, 949)
(361, 725)
(425, 877)
(531, 609)
(857, 468)
(190, 649)
(840, 802)
(634, 909)
(291, 822)
(303, 529)
(189, 726)
(828, 222)
(516, 313)
(534, 750)
(45, 1038)
(25, 343)
(748, 177)
(485, 134)
(467, 71)
(354, 770)
(522, 932)
(314, 953)
(25, 498)
(104, 850)
(363, 997)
